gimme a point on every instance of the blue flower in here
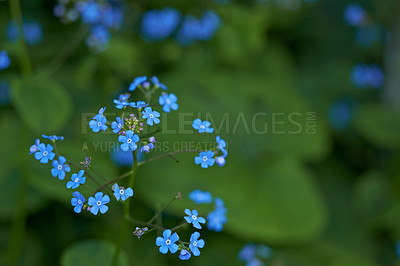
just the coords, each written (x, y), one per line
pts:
(124, 97)
(117, 125)
(255, 262)
(77, 179)
(129, 141)
(136, 82)
(121, 192)
(157, 83)
(205, 158)
(193, 218)
(219, 205)
(91, 12)
(148, 147)
(77, 201)
(98, 38)
(33, 32)
(35, 147)
(221, 144)
(168, 102)
(157, 25)
(151, 116)
(167, 242)
(113, 17)
(140, 104)
(220, 160)
(184, 254)
(202, 126)
(44, 153)
(355, 15)
(98, 202)
(98, 123)
(200, 197)
(248, 252)
(4, 60)
(119, 104)
(216, 220)
(341, 113)
(364, 76)
(196, 243)
(60, 168)
(53, 137)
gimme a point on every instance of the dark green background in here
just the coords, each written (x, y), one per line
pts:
(330, 198)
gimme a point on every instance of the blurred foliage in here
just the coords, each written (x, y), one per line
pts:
(324, 198)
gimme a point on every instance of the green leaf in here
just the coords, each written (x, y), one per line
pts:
(44, 105)
(91, 253)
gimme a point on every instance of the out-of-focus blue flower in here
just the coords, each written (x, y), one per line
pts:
(4, 92)
(369, 35)
(367, 76)
(205, 158)
(121, 192)
(200, 197)
(184, 254)
(44, 153)
(196, 243)
(264, 251)
(76, 180)
(33, 32)
(53, 137)
(167, 242)
(202, 126)
(120, 104)
(35, 147)
(113, 17)
(341, 113)
(255, 262)
(193, 29)
(117, 125)
(157, 25)
(151, 116)
(122, 158)
(91, 11)
(136, 82)
(98, 38)
(157, 83)
(140, 104)
(354, 15)
(193, 218)
(147, 148)
(248, 252)
(129, 141)
(98, 202)
(4, 60)
(60, 167)
(220, 205)
(216, 220)
(251, 254)
(77, 201)
(168, 102)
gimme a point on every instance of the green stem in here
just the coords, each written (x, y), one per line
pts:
(114, 180)
(127, 208)
(23, 55)
(141, 223)
(161, 210)
(167, 155)
(98, 174)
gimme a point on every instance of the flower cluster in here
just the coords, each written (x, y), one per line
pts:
(367, 76)
(217, 218)
(102, 18)
(209, 158)
(32, 32)
(158, 25)
(4, 60)
(252, 254)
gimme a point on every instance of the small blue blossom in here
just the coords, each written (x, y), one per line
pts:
(355, 15)
(117, 125)
(99, 121)
(35, 147)
(220, 161)
(124, 96)
(136, 82)
(119, 104)
(60, 168)
(98, 38)
(200, 197)
(128, 141)
(255, 262)
(196, 243)
(216, 220)
(367, 76)
(140, 104)
(151, 116)
(91, 12)
(4, 60)
(341, 113)
(248, 252)
(147, 148)
(53, 137)
(221, 144)
(220, 205)
(157, 25)
(167, 242)
(202, 126)
(77, 201)
(168, 102)
(98, 202)
(121, 192)
(44, 153)
(157, 83)
(152, 139)
(76, 180)
(33, 32)
(193, 218)
(140, 231)
(205, 158)
(184, 254)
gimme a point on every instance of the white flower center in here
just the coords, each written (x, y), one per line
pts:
(202, 127)
(119, 125)
(79, 202)
(151, 116)
(99, 203)
(99, 124)
(194, 217)
(121, 192)
(168, 242)
(168, 101)
(205, 158)
(76, 180)
(129, 141)
(45, 153)
(59, 167)
(194, 243)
